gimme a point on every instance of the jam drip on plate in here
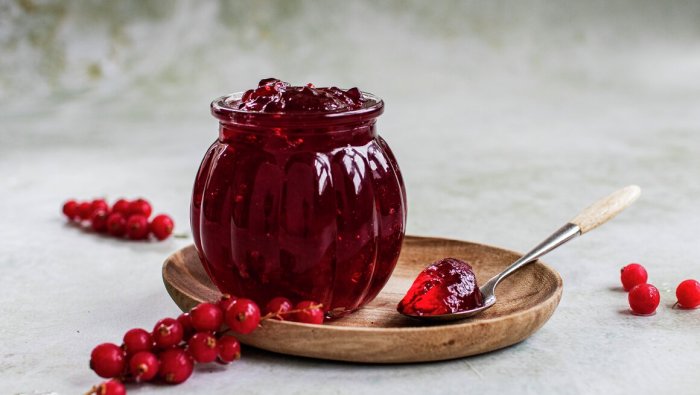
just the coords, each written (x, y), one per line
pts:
(446, 286)
(275, 96)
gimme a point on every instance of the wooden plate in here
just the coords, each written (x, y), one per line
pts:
(377, 333)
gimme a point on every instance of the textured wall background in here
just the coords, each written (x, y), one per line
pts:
(158, 49)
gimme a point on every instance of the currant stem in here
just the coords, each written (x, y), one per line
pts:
(281, 315)
(276, 315)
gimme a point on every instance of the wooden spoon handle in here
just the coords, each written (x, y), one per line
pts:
(606, 208)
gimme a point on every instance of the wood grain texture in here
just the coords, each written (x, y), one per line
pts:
(377, 333)
(606, 208)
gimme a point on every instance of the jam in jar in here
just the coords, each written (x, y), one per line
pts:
(299, 197)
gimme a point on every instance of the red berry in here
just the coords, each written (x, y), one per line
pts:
(688, 294)
(136, 340)
(162, 226)
(206, 317)
(70, 209)
(121, 206)
(175, 366)
(633, 274)
(226, 301)
(229, 349)
(109, 387)
(99, 204)
(99, 220)
(137, 227)
(107, 360)
(144, 366)
(242, 316)
(140, 207)
(202, 347)
(644, 299)
(278, 307)
(186, 321)
(309, 312)
(168, 332)
(84, 211)
(116, 224)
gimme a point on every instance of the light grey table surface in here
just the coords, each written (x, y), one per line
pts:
(506, 117)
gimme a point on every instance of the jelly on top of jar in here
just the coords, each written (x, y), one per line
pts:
(299, 197)
(276, 106)
(273, 95)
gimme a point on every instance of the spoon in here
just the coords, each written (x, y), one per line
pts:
(590, 218)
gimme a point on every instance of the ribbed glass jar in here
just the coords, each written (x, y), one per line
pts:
(309, 206)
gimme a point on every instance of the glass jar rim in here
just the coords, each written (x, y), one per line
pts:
(222, 110)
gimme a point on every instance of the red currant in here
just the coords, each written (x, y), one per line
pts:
(99, 220)
(140, 207)
(688, 294)
(175, 366)
(136, 340)
(226, 301)
(137, 227)
(229, 349)
(309, 312)
(109, 387)
(644, 299)
(84, 211)
(633, 274)
(116, 224)
(202, 347)
(206, 317)
(242, 316)
(107, 360)
(99, 204)
(121, 206)
(168, 332)
(186, 321)
(278, 307)
(144, 366)
(162, 226)
(70, 209)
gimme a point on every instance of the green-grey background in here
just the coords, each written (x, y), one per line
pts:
(506, 117)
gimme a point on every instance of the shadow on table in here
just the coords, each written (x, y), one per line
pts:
(253, 354)
(151, 244)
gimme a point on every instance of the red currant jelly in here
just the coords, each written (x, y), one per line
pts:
(446, 286)
(299, 197)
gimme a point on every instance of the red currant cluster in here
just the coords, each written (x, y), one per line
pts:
(644, 298)
(124, 218)
(203, 335)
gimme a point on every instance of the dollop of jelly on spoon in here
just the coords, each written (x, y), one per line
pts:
(446, 286)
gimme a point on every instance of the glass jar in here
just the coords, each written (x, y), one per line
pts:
(309, 206)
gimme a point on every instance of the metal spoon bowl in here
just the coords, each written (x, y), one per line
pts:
(590, 218)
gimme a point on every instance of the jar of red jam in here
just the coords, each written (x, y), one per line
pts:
(299, 197)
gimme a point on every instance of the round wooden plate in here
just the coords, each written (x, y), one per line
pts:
(377, 333)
